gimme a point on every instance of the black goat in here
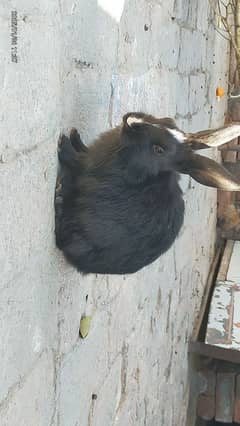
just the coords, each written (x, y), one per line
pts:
(118, 202)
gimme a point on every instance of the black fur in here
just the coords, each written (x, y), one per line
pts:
(119, 205)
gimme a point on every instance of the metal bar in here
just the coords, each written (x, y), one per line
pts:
(222, 273)
(206, 297)
(233, 273)
(215, 352)
(237, 401)
(233, 148)
(206, 399)
(225, 387)
(230, 234)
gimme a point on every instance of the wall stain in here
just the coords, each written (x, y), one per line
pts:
(123, 378)
(169, 309)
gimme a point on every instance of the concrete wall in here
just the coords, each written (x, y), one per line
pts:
(85, 63)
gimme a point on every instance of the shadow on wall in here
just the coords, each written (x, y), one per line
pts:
(107, 70)
(90, 59)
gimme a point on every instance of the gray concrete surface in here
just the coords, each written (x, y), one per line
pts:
(84, 64)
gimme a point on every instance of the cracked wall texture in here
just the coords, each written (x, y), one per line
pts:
(85, 63)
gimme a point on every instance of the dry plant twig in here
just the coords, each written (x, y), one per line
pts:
(227, 15)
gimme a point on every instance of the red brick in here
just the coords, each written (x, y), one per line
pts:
(206, 399)
(206, 407)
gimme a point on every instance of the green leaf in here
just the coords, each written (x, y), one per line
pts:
(85, 323)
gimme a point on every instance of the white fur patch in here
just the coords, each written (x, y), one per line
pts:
(177, 134)
(133, 120)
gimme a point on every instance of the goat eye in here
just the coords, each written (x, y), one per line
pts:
(158, 149)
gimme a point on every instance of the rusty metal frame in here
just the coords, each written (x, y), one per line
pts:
(216, 352)
(197, 344)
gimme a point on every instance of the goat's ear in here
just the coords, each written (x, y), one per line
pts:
(133, 120)
(208, 172)
(213, 138)
(138, 119)
(168, 123)
(133, 128)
